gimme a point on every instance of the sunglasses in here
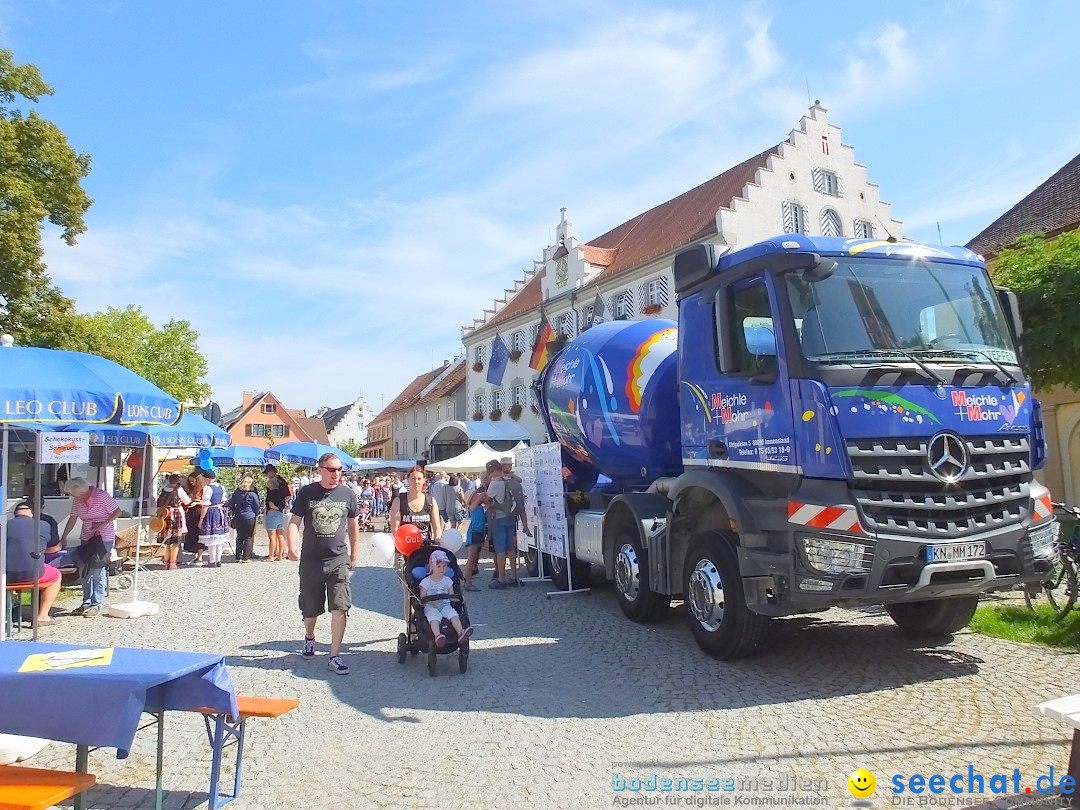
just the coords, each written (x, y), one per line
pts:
(332, 469)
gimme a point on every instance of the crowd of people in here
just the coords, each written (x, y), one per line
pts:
(325, 508)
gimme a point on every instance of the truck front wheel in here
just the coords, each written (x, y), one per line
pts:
(636, 597)
(937, 617)
(716, 608)
(555, 567)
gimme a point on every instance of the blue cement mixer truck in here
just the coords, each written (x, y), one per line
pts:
(831, 422)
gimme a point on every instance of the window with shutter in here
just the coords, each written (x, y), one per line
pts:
(568, 324)
(654, 293)
(830, 223)
(517, 341)
(794, 218)
(623, 307)
(496, 399)
(826, 182)
(864, 229)
(247, 430)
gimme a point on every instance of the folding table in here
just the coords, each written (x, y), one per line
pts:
(97, 700)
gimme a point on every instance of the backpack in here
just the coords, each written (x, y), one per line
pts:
(503, 508)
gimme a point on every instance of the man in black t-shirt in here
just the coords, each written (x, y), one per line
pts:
(328, 513)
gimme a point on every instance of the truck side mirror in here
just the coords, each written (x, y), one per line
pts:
(694, 264)
(1010, 305)
(820, 271)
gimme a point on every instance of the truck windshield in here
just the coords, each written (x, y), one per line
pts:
(929, 309)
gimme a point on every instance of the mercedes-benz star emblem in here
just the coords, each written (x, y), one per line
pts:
(947, 455)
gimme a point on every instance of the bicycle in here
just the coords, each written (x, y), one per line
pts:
(1060, 587)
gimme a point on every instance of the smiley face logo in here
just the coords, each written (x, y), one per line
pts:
(862, 784)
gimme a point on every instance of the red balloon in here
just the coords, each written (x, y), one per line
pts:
(408, 538)
(134, 461)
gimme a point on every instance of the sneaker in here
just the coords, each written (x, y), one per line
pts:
(496, 585)
(245, 560)
(440, 641)
(309, 648)
(466, 634)
(79, 610)
(90, 611)
(512, 583)
(340, 667)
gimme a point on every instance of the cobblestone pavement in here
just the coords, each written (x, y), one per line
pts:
(564, 697)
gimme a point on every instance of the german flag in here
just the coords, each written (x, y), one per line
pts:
(540, 356)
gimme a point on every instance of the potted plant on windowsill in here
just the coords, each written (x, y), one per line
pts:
(515, 411)
(477, 366)
(556, 344)
(477, 416)
(495, 414)
(515, 355)
(651, 309)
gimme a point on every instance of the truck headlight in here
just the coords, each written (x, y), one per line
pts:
(836, 556)
(1043, 538)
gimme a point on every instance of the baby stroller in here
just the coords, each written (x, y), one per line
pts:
(417, 636)
(366, 510)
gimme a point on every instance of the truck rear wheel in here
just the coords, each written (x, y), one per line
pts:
(937, 617)
(555, 567)
(636, 598)
(722, 624)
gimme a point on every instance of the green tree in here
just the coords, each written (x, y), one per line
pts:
(350, 446)
(169, 357)
(1045, 274)
(40, 177)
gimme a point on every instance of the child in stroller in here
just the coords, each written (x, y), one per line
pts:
(429, 618)
(367, 508)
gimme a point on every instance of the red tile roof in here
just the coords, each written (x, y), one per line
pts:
(411, 394)
(1050, 209)
(454, 380)
(680, 221)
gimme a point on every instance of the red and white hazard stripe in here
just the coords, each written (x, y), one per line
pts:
(1044, 507)
(837, 518)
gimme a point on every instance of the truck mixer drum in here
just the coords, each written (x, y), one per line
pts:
(706, 595)
(627, 573)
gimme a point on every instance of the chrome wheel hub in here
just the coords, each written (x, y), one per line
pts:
(705, 596)
(627, 573)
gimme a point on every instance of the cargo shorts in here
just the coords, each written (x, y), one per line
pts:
(324, 583)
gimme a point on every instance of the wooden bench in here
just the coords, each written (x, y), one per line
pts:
(234, 727)
(1067, 711)
(35, 789)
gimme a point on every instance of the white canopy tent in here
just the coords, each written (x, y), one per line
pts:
(472, 460)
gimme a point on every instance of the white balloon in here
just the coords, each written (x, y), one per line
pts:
(384, 544)
(452, 540)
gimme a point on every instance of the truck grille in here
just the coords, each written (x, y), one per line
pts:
(898, 494)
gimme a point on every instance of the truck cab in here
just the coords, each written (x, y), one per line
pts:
(836, 422)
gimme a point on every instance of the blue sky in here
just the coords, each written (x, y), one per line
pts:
(330, 190)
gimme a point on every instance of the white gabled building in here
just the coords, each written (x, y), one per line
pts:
(809, 183)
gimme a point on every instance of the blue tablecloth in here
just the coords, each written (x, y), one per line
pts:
(101, 705)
